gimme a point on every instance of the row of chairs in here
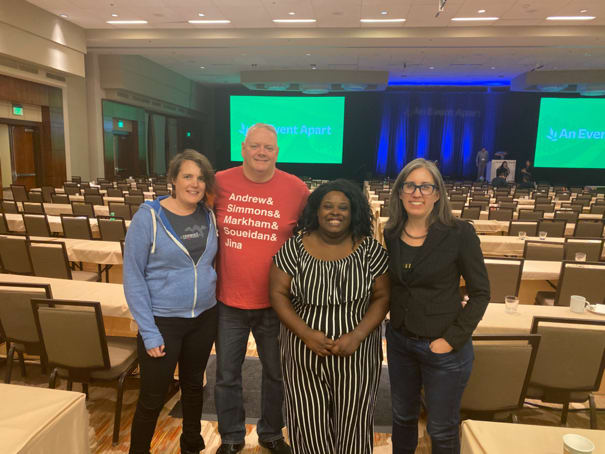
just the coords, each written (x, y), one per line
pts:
(555, 228)
(74, 226)
(68, 336)
(22, 255)
(123, 210)
(575, 278)
(561, 361)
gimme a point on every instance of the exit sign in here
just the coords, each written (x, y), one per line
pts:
(120, 124)
(188, 133)
(17, 110)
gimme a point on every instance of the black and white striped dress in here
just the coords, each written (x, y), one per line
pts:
(330, 401)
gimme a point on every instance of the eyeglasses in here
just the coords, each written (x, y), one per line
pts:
(425, 188)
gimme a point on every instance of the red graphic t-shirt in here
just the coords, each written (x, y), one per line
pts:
(254, 220)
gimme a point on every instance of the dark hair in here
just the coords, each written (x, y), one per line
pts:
(361, 215)
(200, 160)
(398, 216)
(500, 171)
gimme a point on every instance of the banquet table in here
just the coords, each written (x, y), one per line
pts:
(484, 437)
(40, 420)
(89, 251)
(116, 316)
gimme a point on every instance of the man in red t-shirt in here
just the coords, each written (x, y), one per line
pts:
(256, 207)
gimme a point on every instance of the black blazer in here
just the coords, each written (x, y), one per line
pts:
(427, 301)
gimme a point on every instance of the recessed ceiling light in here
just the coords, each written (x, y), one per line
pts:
(126, 22)
(570, 18)
(481, 11)
(470, 19)
(493, 67)
(114, 15)
(384, 12)
(201, 14)
(294, 21)
(583, 11)
(308, 55)
(431, 67)
(380, 20)
(291, 13)
(63, 15)
(218, 21)
(202, 67)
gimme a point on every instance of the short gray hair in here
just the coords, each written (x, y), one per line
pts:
(397, 215)
(256, 126)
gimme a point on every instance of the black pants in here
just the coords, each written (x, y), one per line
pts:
(187, 341)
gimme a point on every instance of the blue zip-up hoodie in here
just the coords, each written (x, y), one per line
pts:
(160, 277)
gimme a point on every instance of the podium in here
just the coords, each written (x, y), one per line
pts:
(493, 165)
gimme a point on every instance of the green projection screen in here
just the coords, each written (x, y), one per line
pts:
(309, 130)
(571, 133)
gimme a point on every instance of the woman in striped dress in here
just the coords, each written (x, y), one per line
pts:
(330, 289)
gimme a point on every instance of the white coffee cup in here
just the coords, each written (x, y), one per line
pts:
(580, 256)
(577, 304)
(511, 303)
(543, 235)
(577, 444)
(522, 234)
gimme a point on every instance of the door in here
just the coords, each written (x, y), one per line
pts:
(24, 140)
(125, 158)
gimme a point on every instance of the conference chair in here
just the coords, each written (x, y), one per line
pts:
(526, 214)
(76, 179)
(501, 214)
(471, 212)
(19, 193)
(545, 207)
(60, 198)
(4, 225)
(94, 199)
(569, 364)
(529, 227)
(34, 196)
(512, 205)
(384, 211)
(17, 324)
(543, 250)
(9, 206)
(576, 278)
(120, 210)
(458, 198)
(112, 228)
(161, 192)
(47, 193)
(49, 259)
(14, 255)
(577, 207)
(501, 371)
(504, 277)
(137, 191)
(565, 195)
(568, 215)
(83, 209)
(457, 204)
(481, 204)
(134, 199)
(589, 228)
(76, 226)
(33, 207)
(555, 228)
(114, 192)
(597, 209)
(73, 336)
(71, 188)
(36, 224)
(592, 247)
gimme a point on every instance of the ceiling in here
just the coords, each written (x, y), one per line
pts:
(424, 49)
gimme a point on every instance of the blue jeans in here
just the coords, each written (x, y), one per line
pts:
(234, 327)
(412, 366)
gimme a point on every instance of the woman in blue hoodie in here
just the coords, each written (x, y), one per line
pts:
(169, 282)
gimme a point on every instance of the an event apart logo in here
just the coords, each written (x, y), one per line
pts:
(582, 134)
(294, 130)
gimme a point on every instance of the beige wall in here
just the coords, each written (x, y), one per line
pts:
(5, 156)
(77, 157)
(32, 34)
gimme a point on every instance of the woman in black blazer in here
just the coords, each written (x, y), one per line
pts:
(429, 333)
